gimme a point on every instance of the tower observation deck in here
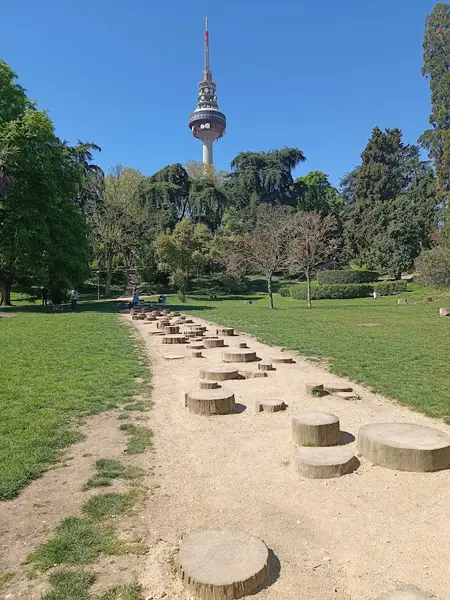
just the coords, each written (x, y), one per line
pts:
(207, 123)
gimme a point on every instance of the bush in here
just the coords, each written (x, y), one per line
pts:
(389, 288)
(331, 292)
(285, 291)
(434, 266)
(346, 276)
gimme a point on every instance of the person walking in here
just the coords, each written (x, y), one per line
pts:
(74, 299)
(44, 296)
(374, 295)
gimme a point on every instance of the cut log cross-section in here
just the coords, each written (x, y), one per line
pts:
(225, 331)
(316, 429)
(213, 343)
(405, 446)
(270, 406)
(266, 367)
(174, 339)
(282, 360)
(222, 565)
(209, 385)
(171, 329)
(444, 312)
(219, 373)
(210, 402)
(324, 463)
(197, 354)
(242, 345)
(231, 356)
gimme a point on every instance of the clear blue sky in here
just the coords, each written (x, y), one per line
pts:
(318, 75)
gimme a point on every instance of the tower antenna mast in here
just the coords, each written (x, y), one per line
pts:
(207, 76)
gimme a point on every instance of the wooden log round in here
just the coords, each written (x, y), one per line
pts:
(196, 346)
(151, 317)
(176, 314)
(209, 385)
(252, 374)
(347, 395)
(174, 339)
(242, 345)
(210, 402)
(197, 327)
(219, 373)
(333, 388)
(171, 329)
(222, 565)
(190, 334)
(135, 317)
(402, 301)
(315, 389)
(162, 323)
(226, 331)
(324, 463)
(270, 406)
(141, 316)
(405, 446)
(213, 343)
(282, 359)
(197, 354)
(316, 429)
(240, 356)
(444, 312)
(157, 313)
(266, 367)
(428, 299)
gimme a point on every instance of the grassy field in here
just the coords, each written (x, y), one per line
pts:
(406, 356)
(55, 369)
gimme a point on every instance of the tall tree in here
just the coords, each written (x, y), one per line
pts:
(436, 67)
(315, 193)
(179, 251)
(311, 244)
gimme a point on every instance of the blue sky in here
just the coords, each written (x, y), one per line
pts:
(314, 75)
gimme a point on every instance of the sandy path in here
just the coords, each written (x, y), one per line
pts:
(350, 538)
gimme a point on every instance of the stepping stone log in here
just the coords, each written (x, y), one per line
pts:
(197, 354)
(428, 299)
(315, 389)
(171, 329)
(265, 367)
(252, 374)
(402, 301)
(324, 463)
(405, 446)
(222, 564)
(226, 331)
(162, 323)
(241, 345)
(270, 406)
(213, 343)
(209, 385)
(196, 346)
(219, 373)
(444, 312)
(174, 339)
(210, 401)
(282, 359)
(333, 388)
(316, 429)
(347, 395)
(231, 356)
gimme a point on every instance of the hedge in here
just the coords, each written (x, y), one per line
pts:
(346, 276)
(285, 291)
(345, 291)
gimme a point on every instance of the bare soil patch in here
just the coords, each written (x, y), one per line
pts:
(369, 324)
(357, 536)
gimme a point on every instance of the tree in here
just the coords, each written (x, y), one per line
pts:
(179, 251)
(122, 223)
(315, 193)
(207, 198)
(311, 244)
(433, 265)
(436, 56)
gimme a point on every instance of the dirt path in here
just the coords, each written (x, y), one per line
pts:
(350, 538)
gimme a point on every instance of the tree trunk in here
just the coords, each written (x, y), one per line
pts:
(108, 276)
(308, 285)
(269, 291)
(5, 293)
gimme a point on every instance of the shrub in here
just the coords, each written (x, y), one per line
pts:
(346, 276)
(389, 288)
(331, 292)
(434, 266)
(285, 291)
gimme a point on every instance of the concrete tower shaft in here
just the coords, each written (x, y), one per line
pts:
(207, 123)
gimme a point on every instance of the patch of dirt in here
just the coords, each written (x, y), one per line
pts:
(369, 324)
(6, 315)
(338, 539)
(33, 517)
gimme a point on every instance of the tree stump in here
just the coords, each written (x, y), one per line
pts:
(265, 367)
(135, 317)
(225, 331)
(210, 401)
(174, 339)
(188, 321)
(222, 565)
(252, 374)
(405, 446)
(282, 359)
(324, 463)
(219, 373)
(241, 345)
(197, 327)
(157, 313)
(316, 429)
(176, 314)
(196, 346)
(315, 389)
(213, 343)
(444, 312)
(428, 299)
(141, 316)
(402, 301)
(197, 354)
(190, 334)
(333, 388)
(270, 406)
(171, 329)
(230, 356)
(151, 317)
(209, 385)
(162, 323)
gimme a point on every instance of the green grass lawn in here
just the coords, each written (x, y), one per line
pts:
(406, 357)
(55, 369)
